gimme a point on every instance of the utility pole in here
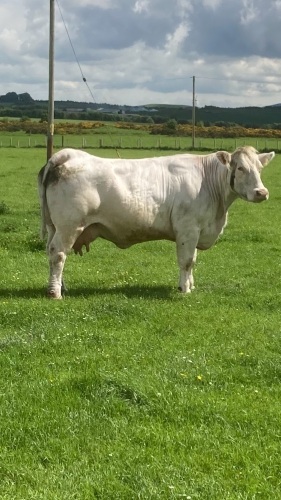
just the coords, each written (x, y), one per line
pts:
(193, 112)
(50, 134)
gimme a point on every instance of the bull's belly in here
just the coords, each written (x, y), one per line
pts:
(121, 236)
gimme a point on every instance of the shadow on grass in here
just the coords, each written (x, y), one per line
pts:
(129, 291)
(22, 293)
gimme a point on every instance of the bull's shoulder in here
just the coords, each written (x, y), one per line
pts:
(182, 164)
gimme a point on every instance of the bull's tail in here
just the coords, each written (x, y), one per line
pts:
(45, 214)
(42, 186)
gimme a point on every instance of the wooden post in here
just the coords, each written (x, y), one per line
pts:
(193, 112)
(50, 133)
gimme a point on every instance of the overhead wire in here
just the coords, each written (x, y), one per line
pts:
(79, 66)
(74, 52)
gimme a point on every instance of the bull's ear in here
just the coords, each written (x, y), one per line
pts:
(224, 157)
(265, 158)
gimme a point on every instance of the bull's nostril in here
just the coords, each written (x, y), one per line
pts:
(262, 192)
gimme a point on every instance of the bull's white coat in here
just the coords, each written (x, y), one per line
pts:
(182, 198)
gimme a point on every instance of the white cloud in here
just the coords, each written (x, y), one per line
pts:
(175, 40)
(184, 7)
(213, 4)
(141, 6)
(249, 12)
(102, 4)
(9, 40)
(139, 51)
(278, 5)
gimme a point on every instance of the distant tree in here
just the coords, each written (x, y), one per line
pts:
(149, 120)
(219, 124)
(172, 124)
(44, 117)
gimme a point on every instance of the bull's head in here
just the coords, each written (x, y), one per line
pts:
(245, 166)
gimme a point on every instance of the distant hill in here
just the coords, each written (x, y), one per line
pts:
(23, 105)
(14, 98)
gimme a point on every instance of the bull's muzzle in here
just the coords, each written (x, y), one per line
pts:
(261, 194)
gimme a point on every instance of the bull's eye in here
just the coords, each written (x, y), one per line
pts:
(240, 168)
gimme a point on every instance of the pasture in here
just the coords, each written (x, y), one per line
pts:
(126, 389)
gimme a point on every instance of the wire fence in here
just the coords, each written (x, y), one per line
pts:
(149, 142)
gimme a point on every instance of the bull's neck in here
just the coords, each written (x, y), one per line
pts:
(218, 181)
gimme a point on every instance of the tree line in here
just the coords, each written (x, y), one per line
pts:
(170, 127)
(23, 106)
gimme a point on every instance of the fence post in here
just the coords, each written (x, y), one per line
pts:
(62, 141)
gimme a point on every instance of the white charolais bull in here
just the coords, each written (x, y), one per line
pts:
(182, 198)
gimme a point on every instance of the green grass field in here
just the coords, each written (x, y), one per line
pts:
(126, 389)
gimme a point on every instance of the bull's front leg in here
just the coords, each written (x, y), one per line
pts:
(186, 253)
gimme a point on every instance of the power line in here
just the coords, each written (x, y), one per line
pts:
(75, 55)
(223, 79)
(82, 74)
(237, 80)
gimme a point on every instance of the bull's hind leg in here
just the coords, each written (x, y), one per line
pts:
(58, 249)
(57, 255)
(51, 232)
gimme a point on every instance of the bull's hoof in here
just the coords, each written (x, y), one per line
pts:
(183, 291)
(54, 295)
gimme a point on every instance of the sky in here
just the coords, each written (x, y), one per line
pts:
(139, 52)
